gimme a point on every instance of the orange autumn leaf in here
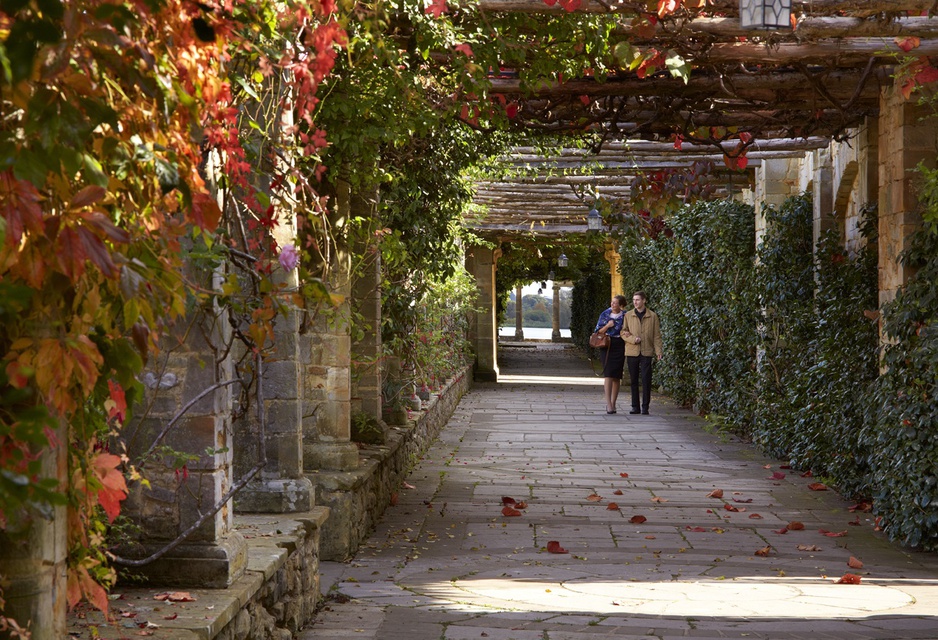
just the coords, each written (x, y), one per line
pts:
(617, 492)
(764, 551)
(510, 511)
(817, 486)
(658, 499)
(623, 475)
(594, 498)
(716, 493)
(865, 507)
(638, 519)
(832, 534)
(507, 500)
(649, 537)
(697, 529)
(849, 578)
(175, 596)
(907, 43)
(854, 563)
(794, 525)
(729, 507)
(521, 505)
(755, 516)
(554, 547)
(612, 506)
(114, 487)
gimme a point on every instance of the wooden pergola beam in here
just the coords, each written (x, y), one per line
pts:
(861, 8)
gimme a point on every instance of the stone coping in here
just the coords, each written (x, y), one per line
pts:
(271, 538)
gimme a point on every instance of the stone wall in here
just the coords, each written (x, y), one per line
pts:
(356, 499)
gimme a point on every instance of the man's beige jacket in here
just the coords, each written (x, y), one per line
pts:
(648, 329)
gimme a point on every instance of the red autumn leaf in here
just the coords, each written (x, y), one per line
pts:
(612, 506)
(783, 530)
(778, 475)
(570, 5)
(832, 534)
(907, 43)
(755, 516)
(865, 507)
(594, 498)
(119, 407)
(114, 487)
(511, 110)
(617, 492)
(764, 551)
(521, 505)
(745, 137)
(638, 519)
(742, 501)
(586, 102)
(393, 499)
(623, 475)
(550, 3)
(730, 507)
(464, 49)
(854, 563)
(436, 8)
(510, 511)
(794, 525)
(554, 547)
(849, 578)
(697, 529)
(742, 162)
(508, 500)
(855, 522)
(667, 6)
(716, 493)
(171, 617)
(807, 474)
(817, 486)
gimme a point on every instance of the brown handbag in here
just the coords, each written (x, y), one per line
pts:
(599, 340)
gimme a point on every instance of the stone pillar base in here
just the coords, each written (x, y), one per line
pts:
(207, 566)
(485, 374)
(276, 495)
(331, 456)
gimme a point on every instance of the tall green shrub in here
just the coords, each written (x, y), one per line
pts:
(590, 298)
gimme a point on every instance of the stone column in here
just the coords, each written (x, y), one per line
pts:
(214, 555)
(483, 331)
(555, 314)
(615, 278)
(823, 194)
(776, 180)
(366, 298)
(519, 315)
(325, 352)
(32, 558)
(906, 137)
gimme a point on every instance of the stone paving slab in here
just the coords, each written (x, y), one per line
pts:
(445, 563)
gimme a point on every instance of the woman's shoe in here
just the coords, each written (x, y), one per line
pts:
(613, 411)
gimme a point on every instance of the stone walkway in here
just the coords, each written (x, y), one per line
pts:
(651, 551)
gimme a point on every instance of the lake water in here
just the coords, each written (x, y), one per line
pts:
(532, 333)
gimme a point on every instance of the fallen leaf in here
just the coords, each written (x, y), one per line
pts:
(717, 530)
(594, 498)
(612, 506)
(817, 486)
(508, 500)
(617, 492)
(510, 511)
(794, 525)
(849, 578)
(778, 475)
(853, 563)
(808, 547)
(658, 499)
(637, 519)
(764, 551)
(407, 485)
(833, 534)
(174, 596)
(521, 505)
(855, 522)
(172, 617)
(623, 475)
(649, 537)
(699, 529)
(807, 474)
(783, 530)
(716, 493)
(554, 547)
(742, 501)
(755, 516)
(393, 499)
(865, 507)
(730, 507)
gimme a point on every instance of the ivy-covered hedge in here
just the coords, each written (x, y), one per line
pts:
(590, 298)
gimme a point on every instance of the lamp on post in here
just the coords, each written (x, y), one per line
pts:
(765, 14)
(562, 260)
(594, 221)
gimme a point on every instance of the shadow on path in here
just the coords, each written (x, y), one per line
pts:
(651, 550)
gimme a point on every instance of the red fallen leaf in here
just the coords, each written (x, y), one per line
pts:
(554, 547)
(393, 499)
(742, 501)
(623, 475)
(172, 617)
(855, 522)
(730, 507)
(807, 474)
(853, 563)
(865, 507)
(507, 500)
(755, 516)
(784, 466)
(764, 551)
(617, 492)
(521, 505)
(907, 43)
(817, 486)
(698, 529)
(783, 530)
(849, 578)
(649, 537)
(612, 506)
(638, 519)
(794, 525)
(716, 493)
(832, 534)
(778, 475)
(510, 511)
(594, 498)
(808, 547)
(174, 596)
(659, 499)
(128, 614)
(717, 530)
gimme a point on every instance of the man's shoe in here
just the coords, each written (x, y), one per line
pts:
(644, 412)
(633, 411)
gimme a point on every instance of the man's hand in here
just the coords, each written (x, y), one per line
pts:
(637, 339)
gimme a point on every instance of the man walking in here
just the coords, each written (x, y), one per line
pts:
(641, 347)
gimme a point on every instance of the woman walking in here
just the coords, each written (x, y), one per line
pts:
(613, 357)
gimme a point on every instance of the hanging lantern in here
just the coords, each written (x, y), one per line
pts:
(550, 276)
(562, 260)
(594, 221)
(765, 14)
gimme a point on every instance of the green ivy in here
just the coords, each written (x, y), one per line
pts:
(590, 298)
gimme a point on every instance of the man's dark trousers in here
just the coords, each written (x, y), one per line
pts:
(643, 364)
